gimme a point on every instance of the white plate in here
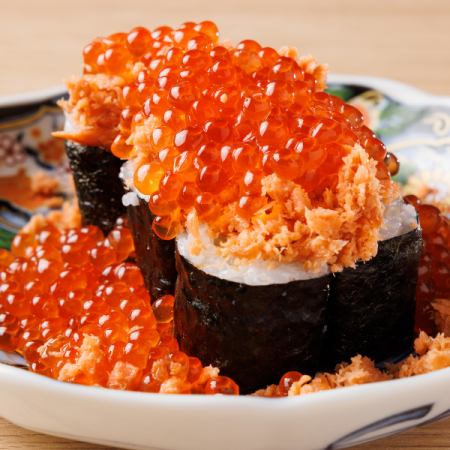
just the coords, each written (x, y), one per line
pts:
(332, 419)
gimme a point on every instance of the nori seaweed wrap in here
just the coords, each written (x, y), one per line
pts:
(372, 307)
(99, 189)
(254, 334)
(154, 256)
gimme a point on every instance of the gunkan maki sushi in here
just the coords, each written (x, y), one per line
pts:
(92, 114)
(292, 246)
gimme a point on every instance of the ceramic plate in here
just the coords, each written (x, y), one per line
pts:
(414, 125)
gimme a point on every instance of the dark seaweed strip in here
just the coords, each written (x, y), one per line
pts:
(155, 257)
(254, 334)
(371, 308)
(99, 189)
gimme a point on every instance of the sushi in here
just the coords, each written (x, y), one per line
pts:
(268, 200)
(92, 114)
(230, 316)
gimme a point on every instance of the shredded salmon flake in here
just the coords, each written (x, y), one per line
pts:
(338, 229)
(122, 376)
(93, 109)
(90, 355)
(433, 354)
(67, 217)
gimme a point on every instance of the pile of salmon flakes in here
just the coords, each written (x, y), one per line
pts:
(78, 311)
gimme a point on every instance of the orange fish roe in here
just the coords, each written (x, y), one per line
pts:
(434, 268)
(73, 306)
(441, 314)
(207, 123)
(208, 130)
(432, 354)
(96, 99)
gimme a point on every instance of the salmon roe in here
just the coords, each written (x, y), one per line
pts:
(199, 117)
(434, 267)
(286, 381)
(78, 311)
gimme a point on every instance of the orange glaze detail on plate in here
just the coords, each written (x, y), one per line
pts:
(34, 176)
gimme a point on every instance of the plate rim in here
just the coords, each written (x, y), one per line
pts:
(22, 376)
(403, 92)
(31, 97)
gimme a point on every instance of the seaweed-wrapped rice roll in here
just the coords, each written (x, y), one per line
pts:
(231, 317)
(93, 112)
(99, 191)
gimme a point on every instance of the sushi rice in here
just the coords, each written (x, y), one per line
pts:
(399, 218)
